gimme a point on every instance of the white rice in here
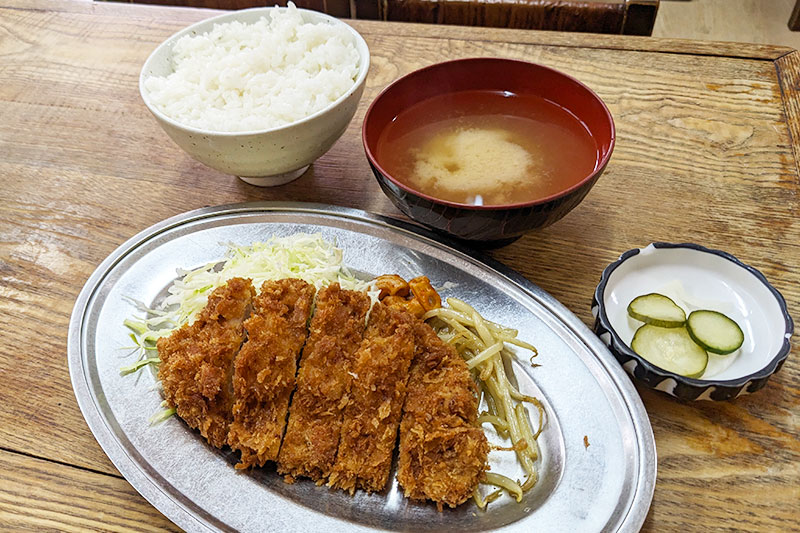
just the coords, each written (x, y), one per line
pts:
(244, 77)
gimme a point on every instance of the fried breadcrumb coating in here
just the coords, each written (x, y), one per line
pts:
(197, 361)
(443, 453)
(377, 392)
(264, 370)
(315, 416)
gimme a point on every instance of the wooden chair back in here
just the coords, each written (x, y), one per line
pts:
(630, 17)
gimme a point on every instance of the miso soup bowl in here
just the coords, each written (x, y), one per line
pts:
(492, 225)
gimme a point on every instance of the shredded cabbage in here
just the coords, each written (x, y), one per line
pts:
(304, 256)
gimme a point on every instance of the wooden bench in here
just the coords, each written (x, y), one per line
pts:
(630, 17)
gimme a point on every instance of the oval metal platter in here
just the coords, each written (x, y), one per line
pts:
(598, 460)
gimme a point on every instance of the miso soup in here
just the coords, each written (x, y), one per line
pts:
(487, 148)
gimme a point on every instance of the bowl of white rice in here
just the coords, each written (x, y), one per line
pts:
(258, 93)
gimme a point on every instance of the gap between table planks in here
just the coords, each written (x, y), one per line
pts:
(722, 109)
(40, 495)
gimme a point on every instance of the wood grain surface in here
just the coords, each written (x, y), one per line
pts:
(705, 154)
(40, 495)
(743, 21)
(788, 68)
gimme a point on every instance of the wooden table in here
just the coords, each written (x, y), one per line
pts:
(707, 152)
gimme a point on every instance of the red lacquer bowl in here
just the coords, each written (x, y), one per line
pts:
(493, 225)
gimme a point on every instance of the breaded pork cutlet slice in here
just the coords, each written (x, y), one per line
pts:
(443, 453)
(197, 361)
(377, 392)
(264, 370)
(315, 416)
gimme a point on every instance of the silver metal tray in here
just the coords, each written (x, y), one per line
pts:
(607, 486)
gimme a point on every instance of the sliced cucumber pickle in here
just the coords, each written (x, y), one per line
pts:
(671, 349)
(714, 331)
(658, 310)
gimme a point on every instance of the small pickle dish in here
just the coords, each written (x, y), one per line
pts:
(746, 313)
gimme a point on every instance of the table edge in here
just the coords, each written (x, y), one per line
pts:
(787, 68)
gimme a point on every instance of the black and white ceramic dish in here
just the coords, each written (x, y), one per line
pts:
(696, 277)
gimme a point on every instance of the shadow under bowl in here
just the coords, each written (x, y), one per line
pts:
(487, 225)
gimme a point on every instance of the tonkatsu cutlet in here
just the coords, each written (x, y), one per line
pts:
(196, 361)
(315, 416)
(264, 370)
(377, 392)
(443, 453)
